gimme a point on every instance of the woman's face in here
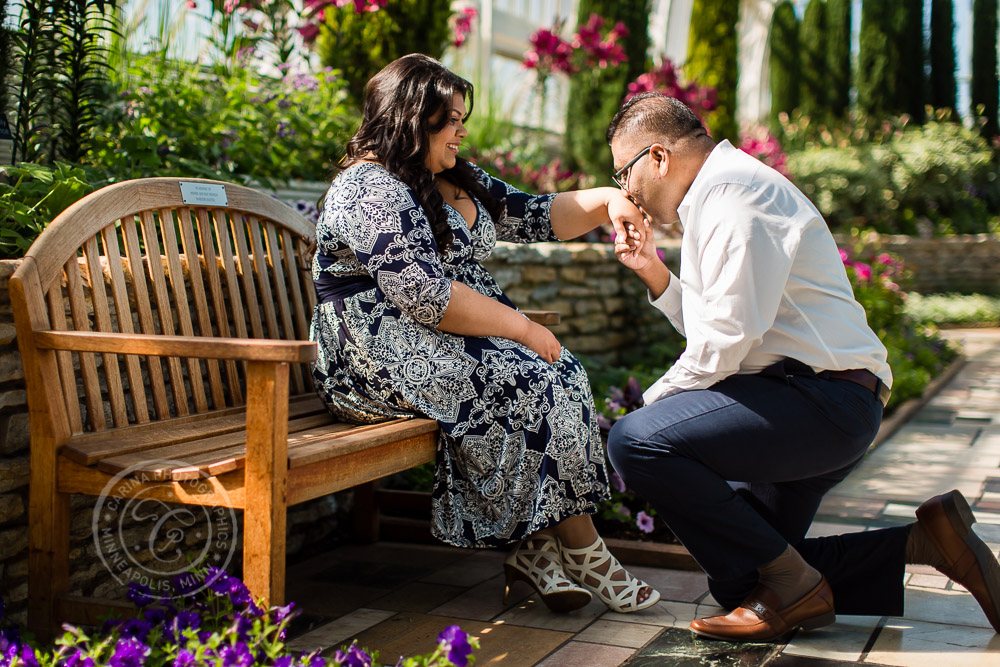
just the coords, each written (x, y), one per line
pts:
(442, 146)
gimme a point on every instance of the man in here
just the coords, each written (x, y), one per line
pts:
(776, 397)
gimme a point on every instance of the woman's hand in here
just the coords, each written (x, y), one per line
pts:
(623, 212)
(637, 249)
(541, 341)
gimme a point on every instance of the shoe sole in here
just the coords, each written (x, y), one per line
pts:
(956, 509)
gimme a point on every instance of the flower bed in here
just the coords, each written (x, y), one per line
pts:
(209, 619)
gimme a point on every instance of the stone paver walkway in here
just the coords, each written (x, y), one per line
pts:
(396, 597)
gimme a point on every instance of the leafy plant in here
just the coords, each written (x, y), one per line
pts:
(63, 70)
(360, 43)
(934, 179)
(32, 196)
(209, 619)
(174, 118)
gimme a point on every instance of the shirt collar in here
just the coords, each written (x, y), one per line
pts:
(717, 159)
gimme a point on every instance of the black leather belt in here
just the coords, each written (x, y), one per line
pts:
(863, 377)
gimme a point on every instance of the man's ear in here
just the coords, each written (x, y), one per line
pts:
(660, 156)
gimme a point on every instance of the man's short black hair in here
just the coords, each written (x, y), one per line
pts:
(655, 114)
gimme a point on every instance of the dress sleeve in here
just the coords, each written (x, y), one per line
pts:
(525, 218)
(391, 236)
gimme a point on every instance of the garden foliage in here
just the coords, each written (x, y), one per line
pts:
(61, 61)
(172, 118)
(360, 43)
(595, 94)
(985, 89)
(712, 60)
(209, 618)
(933, 179)
(815, 77)
(942, 56)
(879, 76)
(838, 56)
(784, 60)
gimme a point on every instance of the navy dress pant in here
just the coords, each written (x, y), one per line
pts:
(737, 472)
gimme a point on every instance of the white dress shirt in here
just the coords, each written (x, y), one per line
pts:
(761, 279)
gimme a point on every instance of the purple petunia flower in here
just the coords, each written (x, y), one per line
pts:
(218, 581)
(237, 655)
(281, 613)
(353, 657)
(129, 652)
(617, 482)
(185, 659)
(456, 645)
(139, 594)
(135, 628)
(644, 522)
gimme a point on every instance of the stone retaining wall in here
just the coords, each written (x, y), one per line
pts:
(604, 312)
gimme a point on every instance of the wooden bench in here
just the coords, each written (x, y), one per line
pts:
(163, 327)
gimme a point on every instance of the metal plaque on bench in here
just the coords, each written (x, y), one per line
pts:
(204, 194)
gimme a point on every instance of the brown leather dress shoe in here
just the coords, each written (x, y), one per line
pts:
(759, 620)
(947, 520)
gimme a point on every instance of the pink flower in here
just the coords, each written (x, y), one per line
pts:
(844, 256)
(886, 259)
(644, 522)
(623, 510)
(191, 4)
(461, 25)
(863, 271)
(309, 33)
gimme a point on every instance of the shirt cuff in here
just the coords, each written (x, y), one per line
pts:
(668, 303)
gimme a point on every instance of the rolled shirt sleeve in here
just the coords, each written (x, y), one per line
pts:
(391, 237)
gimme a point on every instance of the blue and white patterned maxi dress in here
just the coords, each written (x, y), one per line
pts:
(519, 448)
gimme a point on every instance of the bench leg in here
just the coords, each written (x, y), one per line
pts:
(48, 552)
(366, 512)
(266, 481)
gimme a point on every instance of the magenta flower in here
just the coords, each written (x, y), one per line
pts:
(461, 25)
(665, 78)
(353, 657)
(863, 271)
(844, 257)
(644, 522)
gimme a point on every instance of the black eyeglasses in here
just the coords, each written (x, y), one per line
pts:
(621, 176)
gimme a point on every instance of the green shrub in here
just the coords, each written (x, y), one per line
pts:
(935, 179)
(954, 309)
(32, 195)
(174, 119)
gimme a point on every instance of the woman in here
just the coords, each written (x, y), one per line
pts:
(409, 322)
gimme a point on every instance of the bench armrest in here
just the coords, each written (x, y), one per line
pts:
(200, 347)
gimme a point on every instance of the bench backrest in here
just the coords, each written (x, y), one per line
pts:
(172, 256)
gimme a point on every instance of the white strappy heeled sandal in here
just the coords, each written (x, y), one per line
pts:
(536, 561)
(597, 570)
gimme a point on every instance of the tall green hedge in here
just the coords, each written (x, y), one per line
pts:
(712, 60)
(984, 64)
(910, 28)
(361, 44)
(815, 78)
(878, 60)
(941, 92)
(838, 56)
(595, 96)
(784, 62)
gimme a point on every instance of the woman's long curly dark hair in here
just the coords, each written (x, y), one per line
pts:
(400, 102)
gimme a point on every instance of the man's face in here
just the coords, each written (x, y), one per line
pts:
(634, 166)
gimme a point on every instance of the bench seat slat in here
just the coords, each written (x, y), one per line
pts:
(90, 448)
(310, 439)
(158, 462)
